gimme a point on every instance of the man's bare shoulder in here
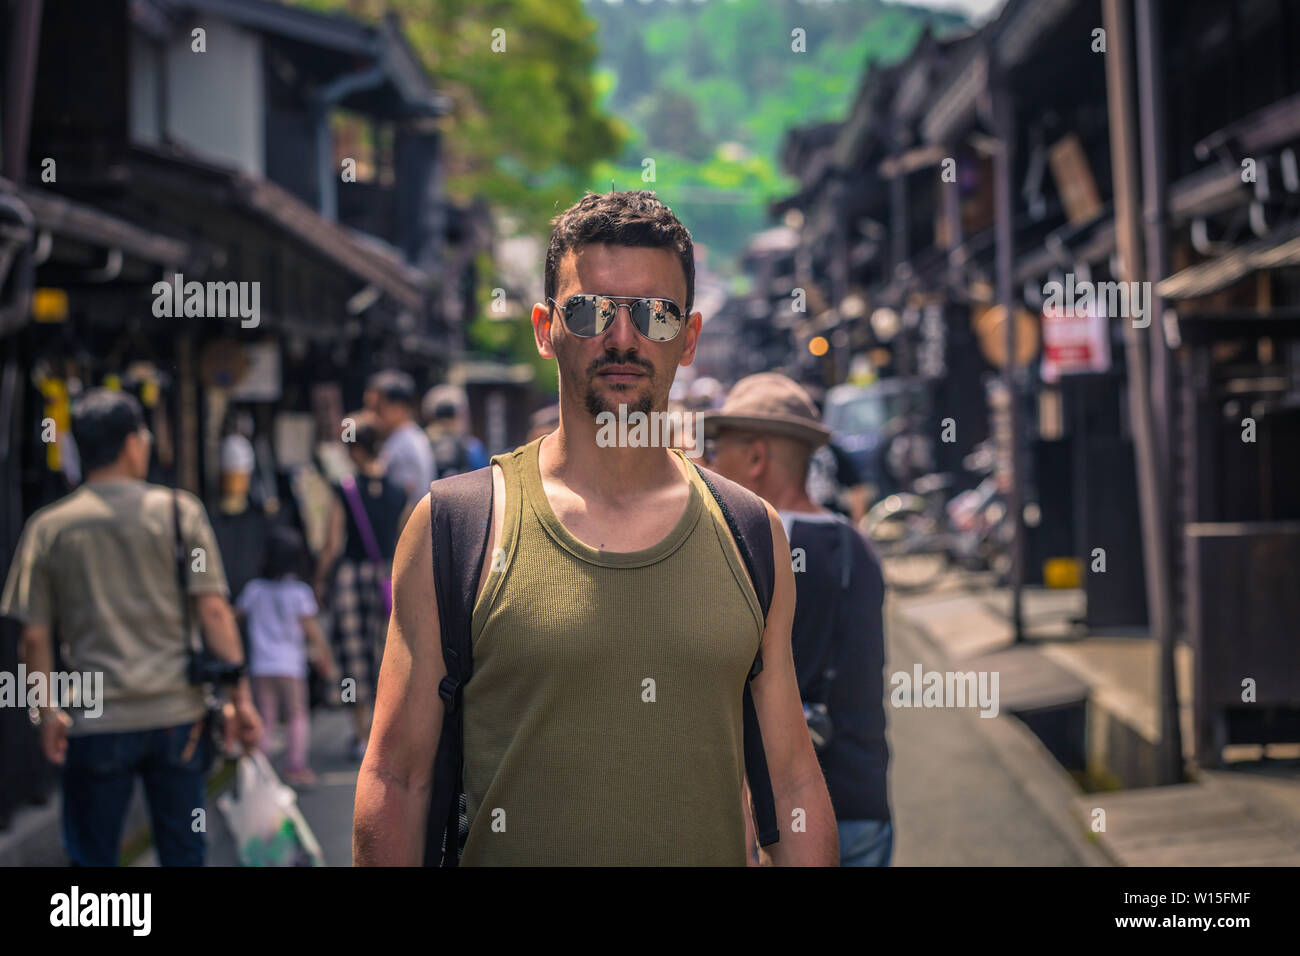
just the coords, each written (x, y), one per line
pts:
(415, 543)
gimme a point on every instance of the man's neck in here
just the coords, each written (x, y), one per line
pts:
(792, 498)
(110, 473)
(571, 455)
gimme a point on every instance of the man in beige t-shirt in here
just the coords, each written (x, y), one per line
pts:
(99, 569)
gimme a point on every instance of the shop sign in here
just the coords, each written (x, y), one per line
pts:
(1075, 341)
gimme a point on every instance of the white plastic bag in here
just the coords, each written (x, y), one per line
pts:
(264, 819)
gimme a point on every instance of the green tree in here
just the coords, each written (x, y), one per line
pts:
(734, 60)
(527, 126)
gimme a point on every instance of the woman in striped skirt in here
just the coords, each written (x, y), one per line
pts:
(355, 566)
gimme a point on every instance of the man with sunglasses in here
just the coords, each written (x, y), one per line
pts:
(615, 622)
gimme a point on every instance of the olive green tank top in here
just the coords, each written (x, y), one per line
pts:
(603, 718)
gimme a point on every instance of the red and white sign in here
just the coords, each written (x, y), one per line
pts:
(1074, 342)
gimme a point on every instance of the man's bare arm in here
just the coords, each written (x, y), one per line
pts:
(797, 781)
(320, 648)
(37, 651)
(333, 548)
(396, 777)
(221, 633)
(217, 619)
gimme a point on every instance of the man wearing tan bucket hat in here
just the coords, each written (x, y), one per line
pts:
(763, 437)
(773, 405)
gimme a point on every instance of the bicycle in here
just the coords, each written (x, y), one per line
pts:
(920, 534)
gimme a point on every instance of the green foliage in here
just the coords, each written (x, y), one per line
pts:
(716, 163)
(588, 89)
(527, 126)
(509, 339)
(527, 129)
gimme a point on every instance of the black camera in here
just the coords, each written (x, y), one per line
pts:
(819, 725)
(205, 668)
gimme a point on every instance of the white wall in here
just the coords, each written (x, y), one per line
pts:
(145, 123)
(215, 100)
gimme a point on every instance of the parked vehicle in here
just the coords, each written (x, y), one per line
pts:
(921, 533)
(866, 420)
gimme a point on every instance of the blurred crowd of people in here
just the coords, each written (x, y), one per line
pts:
(300, 627)
(395, 446)
(134, 580)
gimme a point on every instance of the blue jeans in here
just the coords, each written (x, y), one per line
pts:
(866, 842)
(99, 775)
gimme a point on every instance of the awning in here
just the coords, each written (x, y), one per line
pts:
(178, 173)
(1279, 248)
(363, 256)
(342, 41)
(1203, 193)
(487, 372)
(65, 217)
(909, 161)
(1262, 130)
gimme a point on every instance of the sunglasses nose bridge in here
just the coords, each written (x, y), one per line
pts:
(631, 328)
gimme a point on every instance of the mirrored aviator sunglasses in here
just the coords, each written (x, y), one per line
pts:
(659, 320)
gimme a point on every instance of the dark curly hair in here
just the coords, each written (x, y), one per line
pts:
(632, 218)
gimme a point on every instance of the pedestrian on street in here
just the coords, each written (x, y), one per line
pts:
(543, 422)
(241, 526)
(100, 569)
(406, 454)
(616, 623)
(281, 612)
(763, 437)
(446, 415)
(835, 483)
(355, 566)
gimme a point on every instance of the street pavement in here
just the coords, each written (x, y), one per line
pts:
(327, 807)
(953, 801)
(1246, 814)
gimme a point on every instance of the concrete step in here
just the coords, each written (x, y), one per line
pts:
(1208, 823)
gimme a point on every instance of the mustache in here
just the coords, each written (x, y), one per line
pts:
(614, 359)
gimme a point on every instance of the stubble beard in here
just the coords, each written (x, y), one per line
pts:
(596, 405)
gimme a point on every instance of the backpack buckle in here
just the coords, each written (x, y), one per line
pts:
(449, 690)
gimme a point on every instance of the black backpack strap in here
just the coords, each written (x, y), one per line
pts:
(460, 516)
(178, 556)
(747, 518)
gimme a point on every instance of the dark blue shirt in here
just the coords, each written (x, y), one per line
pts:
(841, 629)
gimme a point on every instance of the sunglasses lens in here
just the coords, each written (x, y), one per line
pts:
(657, 319)
(582, 315)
